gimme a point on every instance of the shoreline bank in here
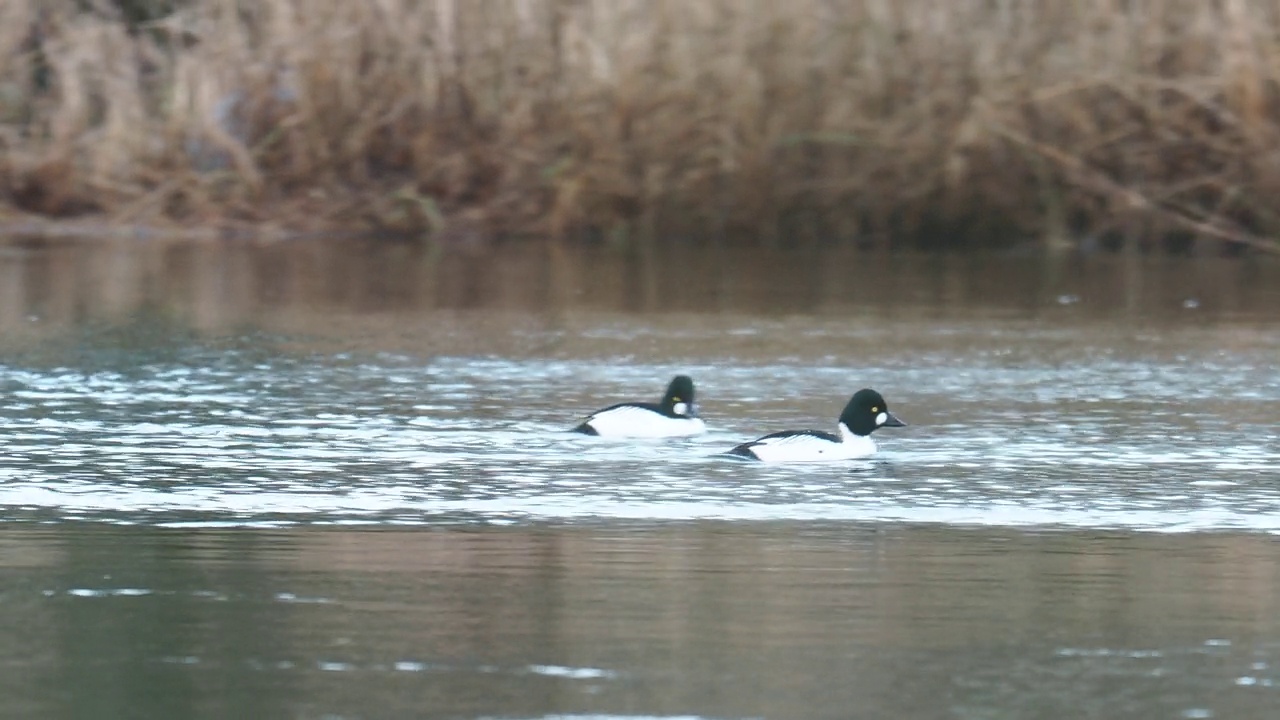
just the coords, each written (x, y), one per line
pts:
(909, 124)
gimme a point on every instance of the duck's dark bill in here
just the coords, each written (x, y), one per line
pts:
(892, 421)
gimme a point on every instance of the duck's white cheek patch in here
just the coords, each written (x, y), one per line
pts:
(881, 418)
(680, 408)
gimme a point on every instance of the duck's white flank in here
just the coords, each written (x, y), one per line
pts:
(636, 421)
(810, 447)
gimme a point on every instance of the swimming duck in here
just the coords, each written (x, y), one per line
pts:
(865, 413)
(675, 416)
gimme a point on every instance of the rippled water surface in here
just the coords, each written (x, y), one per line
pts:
(1010, 425)
(271, 503)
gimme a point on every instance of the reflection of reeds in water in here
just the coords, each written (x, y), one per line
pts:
(957, 121)
(377, 293)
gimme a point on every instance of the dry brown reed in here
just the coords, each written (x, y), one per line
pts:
(967, 121)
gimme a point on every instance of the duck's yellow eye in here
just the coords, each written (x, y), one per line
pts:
(676, 399)
(875, 409)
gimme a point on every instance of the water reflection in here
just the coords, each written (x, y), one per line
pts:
(310, 286)
(706, 620)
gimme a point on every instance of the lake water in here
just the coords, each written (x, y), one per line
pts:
(322, 480)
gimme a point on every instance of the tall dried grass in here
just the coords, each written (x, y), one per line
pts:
(889, 120)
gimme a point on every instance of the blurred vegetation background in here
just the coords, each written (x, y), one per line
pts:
(969, 123)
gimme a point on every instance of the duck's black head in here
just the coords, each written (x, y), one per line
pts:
(867, 412)
(679, 398)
